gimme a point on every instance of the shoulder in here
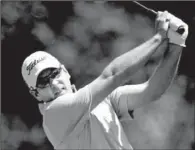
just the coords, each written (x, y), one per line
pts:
(115, 94)
(63, 114)
(61, 101)
(70, 99)
(57, 113)
(67, 104)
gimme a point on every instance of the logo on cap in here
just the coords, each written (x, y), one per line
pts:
(33, 64)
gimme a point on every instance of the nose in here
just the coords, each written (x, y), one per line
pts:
(54, 83)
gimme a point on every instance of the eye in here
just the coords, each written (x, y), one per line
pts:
(43, 86)
(55, 73)
(43, 82)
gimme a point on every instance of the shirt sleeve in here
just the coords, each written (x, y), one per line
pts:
(68, 114)
(120, 104)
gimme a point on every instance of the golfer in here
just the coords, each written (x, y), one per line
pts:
(91, 117)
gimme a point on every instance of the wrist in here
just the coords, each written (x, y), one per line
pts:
(177, 39)
(159, 37)
(174, 47)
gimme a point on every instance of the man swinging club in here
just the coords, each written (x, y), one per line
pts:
(91, 117)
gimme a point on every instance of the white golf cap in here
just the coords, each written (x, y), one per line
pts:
(34, 64)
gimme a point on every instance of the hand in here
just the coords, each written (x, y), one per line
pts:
(174, 37)
(162, 23)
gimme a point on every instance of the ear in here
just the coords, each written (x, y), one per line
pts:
(34, 93)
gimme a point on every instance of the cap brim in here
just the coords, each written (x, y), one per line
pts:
(42, 66)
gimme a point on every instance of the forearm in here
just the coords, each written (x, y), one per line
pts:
(127, 64)
(164, 73)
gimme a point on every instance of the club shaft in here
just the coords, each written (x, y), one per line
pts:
(146, 8)
(180, 30)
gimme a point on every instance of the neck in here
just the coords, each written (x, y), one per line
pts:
(42, 102)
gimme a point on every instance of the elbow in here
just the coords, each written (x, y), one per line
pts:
(113, 69)
(109, 72)
(115, 77)
(154, 92)
(158, 94)
(152, 97)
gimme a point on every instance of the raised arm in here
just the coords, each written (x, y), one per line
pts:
(138, 95)
(165, 73)
(135, 96)
(123, 67)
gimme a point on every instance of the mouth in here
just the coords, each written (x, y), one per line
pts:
(59, 93)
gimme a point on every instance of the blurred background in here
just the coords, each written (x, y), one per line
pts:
(86, 36)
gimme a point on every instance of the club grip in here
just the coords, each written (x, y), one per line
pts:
(180, 29)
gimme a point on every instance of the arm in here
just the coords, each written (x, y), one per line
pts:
(165, 73)
(121, 68)
(138, 95)
(141, 94)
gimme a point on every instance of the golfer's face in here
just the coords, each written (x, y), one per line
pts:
(53, 83)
